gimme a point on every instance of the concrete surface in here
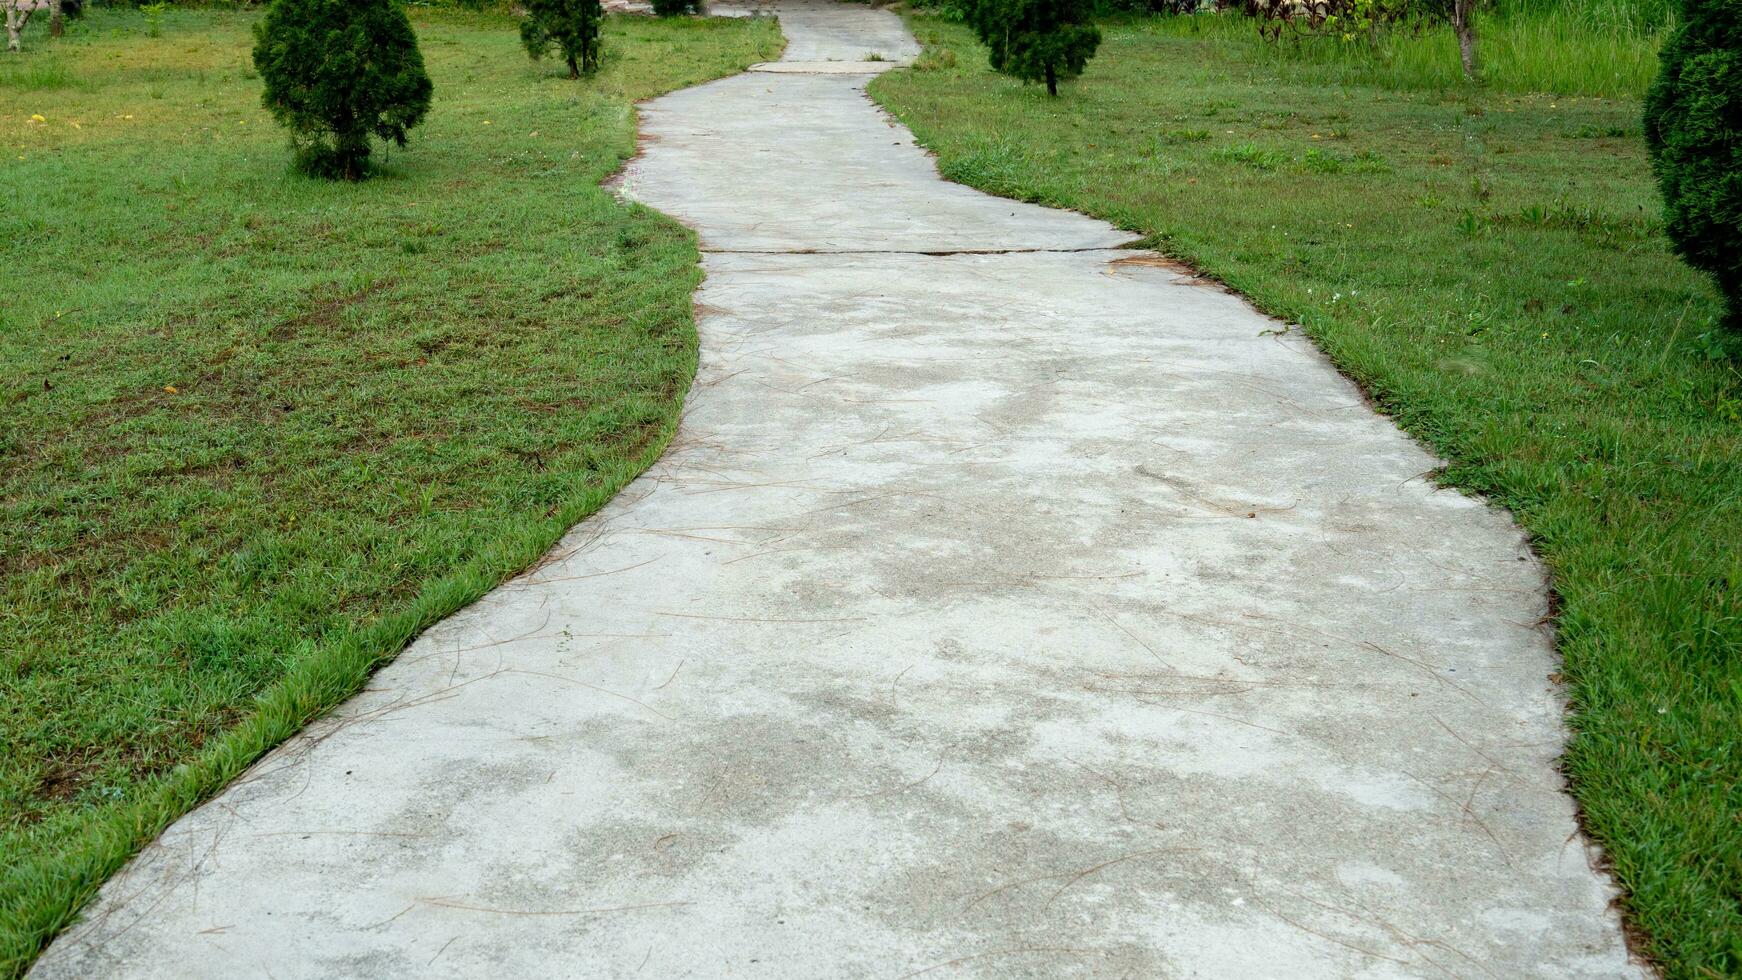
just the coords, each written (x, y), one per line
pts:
(1023, 611)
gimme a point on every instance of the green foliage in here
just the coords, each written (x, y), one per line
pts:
(572, 26)
(338, 72)
(153, 17)
(1693, 128)
(1036, 40)
(1349, 20)
(1596, 16)
(674, 8)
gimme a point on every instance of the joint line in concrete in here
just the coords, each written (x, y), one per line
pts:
(939, 252)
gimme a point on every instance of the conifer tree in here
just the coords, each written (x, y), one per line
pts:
(571, 26)
(337, 73)
(1693, 128)
(1037, 40)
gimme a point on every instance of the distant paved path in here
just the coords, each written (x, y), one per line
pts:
(1029, 614)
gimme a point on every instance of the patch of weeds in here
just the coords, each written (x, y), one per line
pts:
(1720, 345)
(154, 17)
(39, 76)
(1313, 161)
(936, 59)
(1330, 162)
(1473, 225)
(1251, 155)
(1603, 229)
(1590, 132)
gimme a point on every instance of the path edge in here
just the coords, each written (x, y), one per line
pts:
(1596, 855)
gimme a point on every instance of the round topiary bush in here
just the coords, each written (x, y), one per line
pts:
(672, 8)
(1693, 128)
(572, 26)
(338, 72)
(1036, 40)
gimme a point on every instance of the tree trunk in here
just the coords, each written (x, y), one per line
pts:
(15, 21)
(351, 151)
(1464, 25)
(56, 26)
(1052, 80)
(574, 69)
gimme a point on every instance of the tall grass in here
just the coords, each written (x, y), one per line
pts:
(1566, 52)
(1596, 16)
(38, 77)
(1605, 48)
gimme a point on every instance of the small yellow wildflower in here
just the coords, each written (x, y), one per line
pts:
(37, 117)
(171, 388)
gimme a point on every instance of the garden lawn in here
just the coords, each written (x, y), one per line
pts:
(1491, 268)
(258, 430)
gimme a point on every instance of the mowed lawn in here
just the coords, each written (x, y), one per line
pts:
(257, 430)
(1491, 267)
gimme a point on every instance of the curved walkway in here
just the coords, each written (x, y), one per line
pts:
(1009, 605)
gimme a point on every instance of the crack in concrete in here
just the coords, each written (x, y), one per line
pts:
(1134, 244)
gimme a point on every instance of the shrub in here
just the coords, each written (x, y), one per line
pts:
(672, 8)
(338, 72)
(1037, 40)
(572, 26)
(1693, 128)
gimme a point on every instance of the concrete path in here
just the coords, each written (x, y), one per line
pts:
(1009, 605)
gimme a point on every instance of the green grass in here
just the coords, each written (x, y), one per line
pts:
(1564, 50)
(260, 430)
(1491, 268)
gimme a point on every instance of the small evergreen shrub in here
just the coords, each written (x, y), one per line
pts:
(674, 8)
(1037, 40)
(337, 73)
(571, 26)
(1693, 128)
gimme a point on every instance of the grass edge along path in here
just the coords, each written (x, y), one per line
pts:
(1490, 271)
(44, 888)
(316, 684)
